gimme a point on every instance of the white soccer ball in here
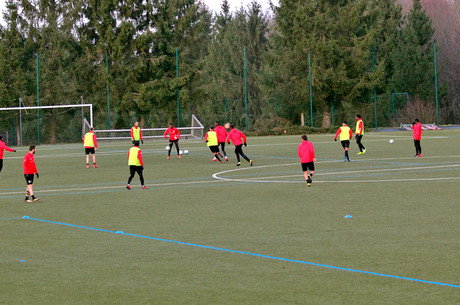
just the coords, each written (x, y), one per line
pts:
(185, 152)
(167, 147)
(180, 152)
(391, 141)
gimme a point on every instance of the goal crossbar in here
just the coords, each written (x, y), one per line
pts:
(55, 106)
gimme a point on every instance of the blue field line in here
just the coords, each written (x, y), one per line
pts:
(246, 253)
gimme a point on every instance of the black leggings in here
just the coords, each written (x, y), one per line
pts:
(239, 152)
(176, 142)
(222, 147)
(418, 148)
(358, 141)
(1, 165)
(133, 169)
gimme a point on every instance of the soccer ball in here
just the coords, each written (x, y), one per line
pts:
(180, 152)
(167, 147)
(185, 152)
(391, 141)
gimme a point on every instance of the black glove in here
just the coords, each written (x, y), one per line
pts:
(335, 140)
(413, 123)
(142, 168)
(206, 141)
(142, 141)
(36, 174)
(245, 144)
(14, 150)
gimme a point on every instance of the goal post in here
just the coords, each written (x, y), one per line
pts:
(21, 109)
(194, 131)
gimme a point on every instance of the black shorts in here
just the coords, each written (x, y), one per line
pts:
(345, 143)
(89, 150)
(29, 178)
(214, 148)
(308, 166)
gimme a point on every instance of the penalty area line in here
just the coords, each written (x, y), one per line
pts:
(247, 253)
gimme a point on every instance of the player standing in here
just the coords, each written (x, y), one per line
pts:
(221, 137)
(29, 170)
(417, 128)
(345, 136)
(136, 165)
(90, 143)
(307, 158)
(3, 147)
(235, 135)
(174, 135)
(212, 142)
(136, 133)
(359, 131)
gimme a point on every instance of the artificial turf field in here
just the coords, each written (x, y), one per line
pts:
(209, 233)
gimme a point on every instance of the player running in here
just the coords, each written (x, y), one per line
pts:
(213, 144)
(136, 165)
(136, 133)
(29, 170)
(221, 137)
(2, 148)
(90, 143)
(235, 135)
(359, 131)
(307, 158)
(174, 135)
(345, 136)
(417, 128)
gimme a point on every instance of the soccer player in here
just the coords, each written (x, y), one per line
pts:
(359, 131)
(3, 147)
(417, 128)
(221, 136)
(174, 135)
(213, 144)
(136, 165)
(136, 133)
(235, 135)
(307, 158)
(90, 143)
(29, 170)
(345, 136)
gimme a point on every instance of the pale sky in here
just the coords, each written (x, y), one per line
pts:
(214, 5)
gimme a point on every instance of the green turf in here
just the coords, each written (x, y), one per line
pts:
(405, 222)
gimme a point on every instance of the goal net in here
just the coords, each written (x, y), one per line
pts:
(26, 125)
(194, 131)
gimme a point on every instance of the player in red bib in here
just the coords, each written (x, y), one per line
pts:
(417, 128)
(174, 135)
(3, 147)
(307, 158)
(235, 135)
(29, 170)
(221, 137)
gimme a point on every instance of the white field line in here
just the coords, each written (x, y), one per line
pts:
(259, 179)
(357, 172)
(42, 190)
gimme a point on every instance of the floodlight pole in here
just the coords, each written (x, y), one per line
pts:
(108, 89)
(311, 94)
(436, 84)
(38, 103)
(20, 123)
(375, 97)
(177, 92)
(245, 90)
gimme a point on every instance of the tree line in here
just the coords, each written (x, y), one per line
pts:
(158, 61)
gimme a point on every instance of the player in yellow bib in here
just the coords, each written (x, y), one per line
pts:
(90, 143)
(136, 165)
(213, 143)
(136, 133)
(359, 132)
(345, 134)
